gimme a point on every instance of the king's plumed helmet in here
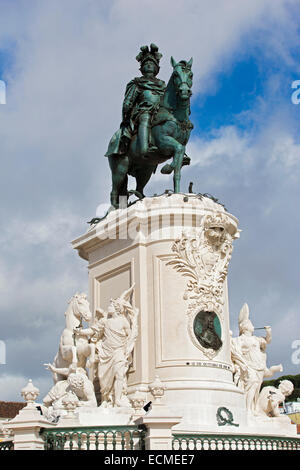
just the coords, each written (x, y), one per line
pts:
(147, 53)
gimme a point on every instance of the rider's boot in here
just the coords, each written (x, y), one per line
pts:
(144, 134)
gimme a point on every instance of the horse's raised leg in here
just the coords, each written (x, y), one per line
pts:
(170, 146)
(119, 170)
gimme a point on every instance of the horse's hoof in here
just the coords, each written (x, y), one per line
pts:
(167, 169)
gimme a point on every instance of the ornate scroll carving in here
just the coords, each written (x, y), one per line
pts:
(203, 256)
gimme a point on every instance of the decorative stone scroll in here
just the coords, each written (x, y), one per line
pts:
(203, 255)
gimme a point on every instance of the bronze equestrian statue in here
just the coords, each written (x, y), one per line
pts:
(155, 125)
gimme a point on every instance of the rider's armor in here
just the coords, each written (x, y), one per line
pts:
(141, 102)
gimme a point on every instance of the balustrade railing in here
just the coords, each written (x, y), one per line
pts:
(233, 442)
(94, 438)
(6, 445)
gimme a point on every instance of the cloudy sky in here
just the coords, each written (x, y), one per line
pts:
(66, 64)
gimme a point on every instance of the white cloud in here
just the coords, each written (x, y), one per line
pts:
(227, 142)
(11, 386)
(273, 145)
(39, 271)
(30, 298)
(286, 153)
(54, 228)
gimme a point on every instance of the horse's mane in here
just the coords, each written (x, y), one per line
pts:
(170, 97)
(73, 302)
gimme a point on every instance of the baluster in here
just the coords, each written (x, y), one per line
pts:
(71, 441)
(88, 434)
(114, 440)
(131, 441)
(96, 440)
(105, 440)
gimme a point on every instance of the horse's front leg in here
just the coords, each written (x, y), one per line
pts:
(177, 163)
(119, 170)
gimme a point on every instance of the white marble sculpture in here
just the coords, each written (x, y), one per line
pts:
(107, 344)
(73, 349)
(271, 397)
(157, 389)
(114, 334)
(250, 360)
(75, 381)
(30, 394)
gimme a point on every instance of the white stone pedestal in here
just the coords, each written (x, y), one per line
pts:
(104, 417)
(26, 428)
(136, 245)
(159, 422)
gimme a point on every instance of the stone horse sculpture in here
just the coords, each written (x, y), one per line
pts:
(170, 132)
(73, 349)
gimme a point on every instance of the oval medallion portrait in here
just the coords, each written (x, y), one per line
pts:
(207, 329)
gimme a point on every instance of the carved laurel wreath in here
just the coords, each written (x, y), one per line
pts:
(224, 416)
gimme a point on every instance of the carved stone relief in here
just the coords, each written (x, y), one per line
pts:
(203, 256)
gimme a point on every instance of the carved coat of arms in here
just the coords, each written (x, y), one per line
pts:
(203, 255)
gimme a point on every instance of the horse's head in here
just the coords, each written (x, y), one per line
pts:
(81, 307)
(182, 78)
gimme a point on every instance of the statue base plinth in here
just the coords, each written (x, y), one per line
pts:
(104, 416)
(280, 425)
(159, 245)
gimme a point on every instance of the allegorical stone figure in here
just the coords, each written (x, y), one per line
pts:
(141, 102)
(114, 333)
(250, 360)
(271, 397)
(75, 381)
